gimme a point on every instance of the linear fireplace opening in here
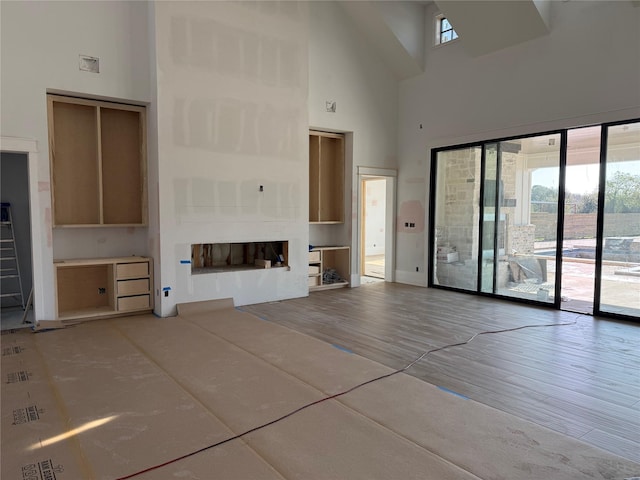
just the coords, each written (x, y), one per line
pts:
(228, 257)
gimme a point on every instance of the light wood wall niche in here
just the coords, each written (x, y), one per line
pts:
(329, 267)
(326, 177)
(103, 287)
(98, 162)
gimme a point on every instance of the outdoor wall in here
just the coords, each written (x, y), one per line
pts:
(520, 239)
(582, 225)
(344, 67)
(40, 44)
(587, 70)
(231, 117)
(458, 210)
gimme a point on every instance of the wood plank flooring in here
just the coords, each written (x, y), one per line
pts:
(582, 380)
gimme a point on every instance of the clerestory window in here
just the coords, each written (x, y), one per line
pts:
(444, 31)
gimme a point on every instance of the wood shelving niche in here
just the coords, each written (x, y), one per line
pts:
(326, 177)
(98, 162)
(103, 287)
(329, 267)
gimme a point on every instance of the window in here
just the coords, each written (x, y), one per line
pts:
(444, 31)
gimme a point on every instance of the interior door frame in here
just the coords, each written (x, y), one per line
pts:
(390, 176)
(39, 247)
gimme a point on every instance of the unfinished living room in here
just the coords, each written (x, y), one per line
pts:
(320, 240)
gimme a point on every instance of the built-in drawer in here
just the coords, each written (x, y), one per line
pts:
(314, 281)
(134, 303)
(131, 287)
(314, 269)
(132, 270)
(314, 256)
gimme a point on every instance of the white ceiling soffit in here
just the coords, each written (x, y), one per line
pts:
(395, 29)
(488, 26)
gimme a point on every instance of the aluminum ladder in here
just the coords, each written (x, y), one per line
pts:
(11, 285)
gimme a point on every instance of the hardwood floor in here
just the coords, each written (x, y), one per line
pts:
(581, 379)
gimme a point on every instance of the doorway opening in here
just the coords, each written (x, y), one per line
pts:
(376, 224)
(16, 253)
(373, 227)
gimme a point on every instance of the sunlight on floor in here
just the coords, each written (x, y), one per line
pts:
(71, 433)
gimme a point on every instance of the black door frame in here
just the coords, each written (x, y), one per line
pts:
(431, 247)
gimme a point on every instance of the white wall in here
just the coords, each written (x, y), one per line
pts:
(375, 231)
(344, 67)
(587, 70)
(232, 115)
(40, 44)
(406, 20)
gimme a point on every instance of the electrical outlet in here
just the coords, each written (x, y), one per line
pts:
(417, 269)
(102, 291)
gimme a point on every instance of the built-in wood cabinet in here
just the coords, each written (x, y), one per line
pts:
(103, 287)
(329, 267)
(326, 177)
(98, 162)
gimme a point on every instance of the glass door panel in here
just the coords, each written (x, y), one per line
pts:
(489, 231)
(620, 246)
(457, 213)
(580, 219)
(527, 217)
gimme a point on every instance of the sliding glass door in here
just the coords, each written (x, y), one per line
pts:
(619, 286)
(529, 172)
(492, 246)
(517, 218)
(580, 219)
(457, 213)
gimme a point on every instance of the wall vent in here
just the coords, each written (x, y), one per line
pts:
(89, 64)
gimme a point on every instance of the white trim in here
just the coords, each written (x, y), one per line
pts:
(390, 175)
(38, 233)
(18, 145)
(377, 172)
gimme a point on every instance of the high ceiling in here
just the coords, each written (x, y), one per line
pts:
(397, 28)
